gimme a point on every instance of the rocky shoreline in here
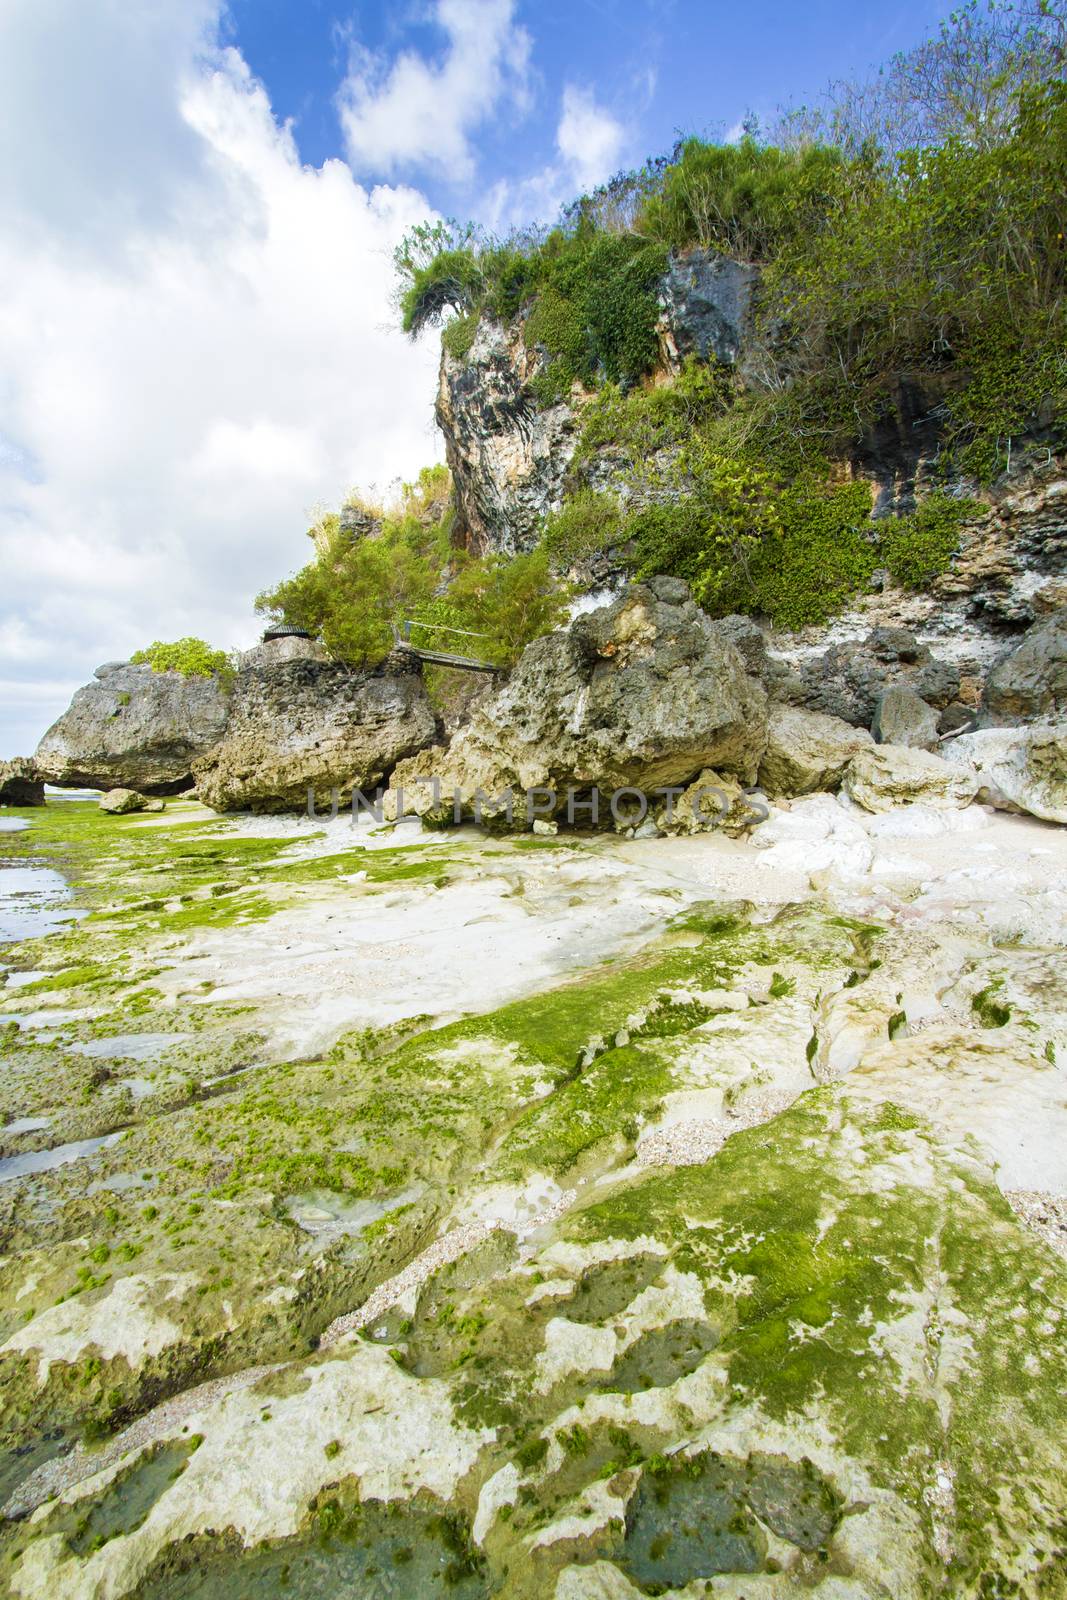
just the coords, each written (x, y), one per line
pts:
(746, 1037)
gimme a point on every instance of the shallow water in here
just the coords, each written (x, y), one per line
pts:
(60, 1155)
(325, 1214)
(378, 1552)
(130, 1046)
(33, 899)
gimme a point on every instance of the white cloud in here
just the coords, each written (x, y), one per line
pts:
(589, 139)
(590, 144)
(413, 112)
(198, 336)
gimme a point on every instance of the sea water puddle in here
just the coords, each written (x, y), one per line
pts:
(34, 899)
(328, 1215)
(25, 1125)
(130, 1046)
(61, 1155)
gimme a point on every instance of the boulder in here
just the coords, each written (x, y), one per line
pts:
(20, 783)
(1029, 682)
(903, 717)
(882, 776)
(713, 802)
(316, 725)
(134, 728)
(847, 680)
(120, 802)
(283, 647)
(1019, 769)
(807, 750)
(508, 455)
(641, 693)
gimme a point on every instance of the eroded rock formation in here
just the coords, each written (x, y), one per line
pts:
(308, 724)
(134, 728)
(639, 693)
(20, 783)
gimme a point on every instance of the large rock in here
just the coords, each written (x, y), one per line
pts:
(316, 725)
(903, 717)
(270, 652)
(1029, 682)
(807, 750)
(20, 783)
(1019, 769)
(848, 680)
(508, 455)
(641, 693)
(134, 728)
(122, 802)
(886, 775)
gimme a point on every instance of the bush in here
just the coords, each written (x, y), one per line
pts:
(638, 423)
(919, 547)
(795, 555)
(352, 592)
(458, 335)
(511, 601)
(452, 280)
(586, 524)
(193, 658)
(746, 199)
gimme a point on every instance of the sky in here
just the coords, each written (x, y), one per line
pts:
(198, 205)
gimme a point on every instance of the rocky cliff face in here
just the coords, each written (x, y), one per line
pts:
(136, 728)
(509, 453)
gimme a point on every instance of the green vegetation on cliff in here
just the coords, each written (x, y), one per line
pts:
(381, 567)
(193, 658)
(909, 236)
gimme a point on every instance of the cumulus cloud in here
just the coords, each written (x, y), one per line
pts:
(588, 138)
(412, 112)
(589, 143)
(199, 342)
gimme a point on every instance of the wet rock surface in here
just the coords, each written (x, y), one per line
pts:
(677, 1259)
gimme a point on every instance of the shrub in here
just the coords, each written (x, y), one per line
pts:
(918, 547)
(458, 335)
(795, 555)
(586, 524)
(452, 280)
(511, 601)
(193, 658)
(746, 199)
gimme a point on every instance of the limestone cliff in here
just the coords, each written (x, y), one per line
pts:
(509, 452)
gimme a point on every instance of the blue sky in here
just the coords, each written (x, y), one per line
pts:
(199, 200)
(655, 67)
